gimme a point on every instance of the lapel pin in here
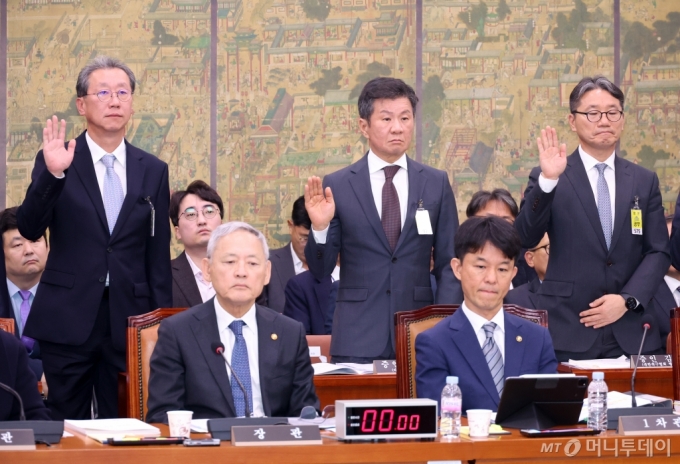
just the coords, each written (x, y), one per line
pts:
(519, 338)
(275, 337)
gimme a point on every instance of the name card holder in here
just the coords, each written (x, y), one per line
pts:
(652, 360)
(651, 424)
(387, 366)
(268, 435)
(17, 439)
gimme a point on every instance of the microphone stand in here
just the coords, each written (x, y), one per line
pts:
(633, 401)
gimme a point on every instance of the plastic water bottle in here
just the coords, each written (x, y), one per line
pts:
(597, 403)
(452, 402)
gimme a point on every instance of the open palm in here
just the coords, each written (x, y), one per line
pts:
(552, 154)
(319, 204)
(57, 157)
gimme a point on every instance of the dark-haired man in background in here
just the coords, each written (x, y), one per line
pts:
(384, 214)
(195, 213)
(605, 221)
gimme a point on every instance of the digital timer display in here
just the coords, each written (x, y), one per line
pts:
(397, 420)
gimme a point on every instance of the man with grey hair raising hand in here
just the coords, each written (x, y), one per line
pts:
(608, 241)
(110, 251)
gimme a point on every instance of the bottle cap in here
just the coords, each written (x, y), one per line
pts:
(598, 375)
(452, 379)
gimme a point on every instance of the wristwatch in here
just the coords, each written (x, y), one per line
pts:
(631, 303)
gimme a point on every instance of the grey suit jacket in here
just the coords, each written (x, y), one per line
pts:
(274, 294)
(187, 374)
(185, 293)
(375, 282)
(581, 267)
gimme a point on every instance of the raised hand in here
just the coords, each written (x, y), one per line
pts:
(552, 155)
(57, 158)
(319, 204)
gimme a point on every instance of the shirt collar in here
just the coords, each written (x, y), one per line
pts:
(478, 321)
(589, 162)
(672, 282)
(195, 269)
(297, 262)
(224, 318)
(98, 152)
(376, 164)
(13, 289)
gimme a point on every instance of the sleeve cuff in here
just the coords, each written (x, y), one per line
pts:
(320, 235)
(547, 185)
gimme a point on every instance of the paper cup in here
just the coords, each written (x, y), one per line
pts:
(479, 421)
(180, 423)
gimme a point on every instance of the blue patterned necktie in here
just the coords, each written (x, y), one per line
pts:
(113, 192)
(604, 206)
(239, 363)
(493, 356)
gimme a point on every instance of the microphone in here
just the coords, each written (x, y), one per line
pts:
(218, 348)
(11, 391)
(647, 321)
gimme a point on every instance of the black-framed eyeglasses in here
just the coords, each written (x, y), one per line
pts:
(191, 213)
(547, 249)
(106, 95)
(595, 116)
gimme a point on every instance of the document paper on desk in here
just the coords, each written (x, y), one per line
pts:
(621, 362)
(342, 368)
(103, 429)
(615, 400)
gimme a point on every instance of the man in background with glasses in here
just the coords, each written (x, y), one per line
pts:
(525, 295)
(608, 241)
(104, 202)
(195, 213)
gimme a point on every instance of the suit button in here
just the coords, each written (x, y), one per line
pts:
(102, 279)
(319, 254)
(109, 249)
(609, 264)
(394, 260)
(388, 292)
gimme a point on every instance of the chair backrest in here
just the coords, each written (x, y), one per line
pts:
(410, 323)
(675, 351)
(7, 324)
(142, 335)
(324, 344)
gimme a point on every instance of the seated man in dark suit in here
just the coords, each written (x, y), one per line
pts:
(289, 260)
(667, 296)
(267, 351)
(15, 373)
(24, 265)
(525, 295)
(480, 343)
(312, 301)
(195, 213)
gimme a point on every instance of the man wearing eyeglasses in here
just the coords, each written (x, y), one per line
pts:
(608, 241)
(195, 213)
(104, 201)
(525, 295)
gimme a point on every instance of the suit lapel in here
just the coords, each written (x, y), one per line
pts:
(84, 168)
(416, 186)
(468, 344)
(186, 280)
(134, 172)
(514, 346)
(361, 184)
(205, 332)
(576, 173)
(268, 353)
(624, 190)
(285, 268)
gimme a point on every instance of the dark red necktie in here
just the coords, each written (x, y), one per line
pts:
(391, 212)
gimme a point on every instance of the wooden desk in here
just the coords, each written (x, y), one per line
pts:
(354, 387)
(655, 381)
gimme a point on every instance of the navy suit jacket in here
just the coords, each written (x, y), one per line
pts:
(525, 295)
(185, 292)
(187, 374)
(662, 303)
(581, 268)
(283, 269)
(15, 373)
(82, 250)
(452, 348)
(376, 282)
(312, 302)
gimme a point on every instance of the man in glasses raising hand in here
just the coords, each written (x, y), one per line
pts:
(605, 221)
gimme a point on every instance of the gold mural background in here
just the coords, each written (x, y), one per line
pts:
(281, 94)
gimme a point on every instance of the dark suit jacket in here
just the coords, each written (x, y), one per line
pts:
(312, 302)
(524, 295)
(185, 292)
(525, 273)
(187, 374)
(581, 268)
(662, 304)
(274, 294)
(15, 373)
(375, 282)
(7, 311)
(452, 348)
(82, 250)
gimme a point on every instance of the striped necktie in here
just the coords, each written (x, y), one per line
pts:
(493, 356)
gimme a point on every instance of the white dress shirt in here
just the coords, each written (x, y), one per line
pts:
(377, 179)
(205, 288)
(297, 262)
(547, 185)
(228, 338)
(17, 300)
(478, 321)
(673, 285)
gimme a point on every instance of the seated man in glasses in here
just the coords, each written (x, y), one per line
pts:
(195, 213)
(526, 294)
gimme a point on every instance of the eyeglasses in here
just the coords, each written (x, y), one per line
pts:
(595, 116)
(191, 214)
(547, 249)
(106, 95)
